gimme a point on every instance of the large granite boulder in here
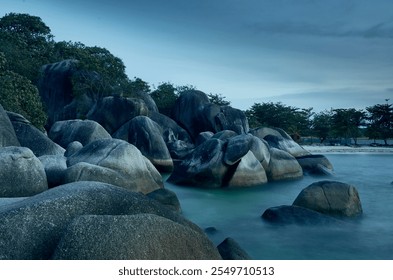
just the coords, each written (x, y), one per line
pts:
(279, 139)
(32, 227)
(315, 164)
(31, 137)
(204, 167)
(114, 111)
(132, 237)
(291, 214)
(7, 132)
(331, 198)
(116, 161)
(146, 135)
(170, 128)
(283, 166)
(196, 114)
(21, 173)
(237, 147)
(83, 131)
(166, 197)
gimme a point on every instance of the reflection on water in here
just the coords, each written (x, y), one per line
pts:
(237, 213)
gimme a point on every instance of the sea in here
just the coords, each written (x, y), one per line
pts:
(236, 213)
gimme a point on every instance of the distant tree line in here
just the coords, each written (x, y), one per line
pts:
(26, 44)
(335, 125)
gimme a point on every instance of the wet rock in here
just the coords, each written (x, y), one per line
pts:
(231, 250)
(283, 166)
(7, 132)
(315, 164)
(166, 197)
(331, 198)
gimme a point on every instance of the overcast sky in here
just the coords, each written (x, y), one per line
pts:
(304, 53)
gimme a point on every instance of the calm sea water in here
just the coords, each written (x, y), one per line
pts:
(237, 214)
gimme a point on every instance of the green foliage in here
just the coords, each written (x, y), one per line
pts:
(321, 125)
(380, 118)
(100, 72)
(218, 99)
(165, 97)
(291, 119)
(133, 87)
(26, 43)
(19, 95)
(347, 122)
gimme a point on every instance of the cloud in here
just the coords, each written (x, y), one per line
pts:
(378, 30)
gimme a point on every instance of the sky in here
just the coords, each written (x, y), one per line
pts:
(303, 53)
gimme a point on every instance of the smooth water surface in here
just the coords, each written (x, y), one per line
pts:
(237, 214)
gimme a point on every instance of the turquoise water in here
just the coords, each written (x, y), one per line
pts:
(237, 214)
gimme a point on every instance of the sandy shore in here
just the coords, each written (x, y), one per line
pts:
(344, 149)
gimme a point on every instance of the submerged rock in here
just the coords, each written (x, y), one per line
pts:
(331, 198)
(231, 250)
(315, 164)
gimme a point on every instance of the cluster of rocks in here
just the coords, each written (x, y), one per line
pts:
(91, 187)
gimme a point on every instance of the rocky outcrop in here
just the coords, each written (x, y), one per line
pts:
(203, 168)
(113, 111)
(21, 173)
(283, 166)
(196, 114)
(146, 135)
(83, 131)
(331, 198)
(231, 250)
(132, 237)
(33, 227)
(115, 161)
(7, 132)
(31, 137)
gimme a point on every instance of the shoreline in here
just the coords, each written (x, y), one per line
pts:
(347, 149)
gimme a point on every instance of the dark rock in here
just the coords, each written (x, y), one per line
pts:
(203, 137)
(291, 214)
(196, 114)
(261, 150)
(55, 167)
(170, 127)
(116, 161)
(331, 198)
(203, 168)
(210, 230)
(224, 135)
(279, 139)
(73, 148)
(179, 149)
(229, 249)
(83, 131)
(146, 135)
(237, 147)
(283, 166)
(315, 164)
(32, 228)
(148, 100)
(166, 197)
(7, 132)
(114, 111)
(133, 237)
(31, 137)
(21, 173)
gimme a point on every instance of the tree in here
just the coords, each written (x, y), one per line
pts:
(99, 72)
(380, 118)
(218, 99)
(346, 123)
(26, 42)
(321, 125)
(133, 87)
(165, 97)
(291, 119)
(19, 95)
